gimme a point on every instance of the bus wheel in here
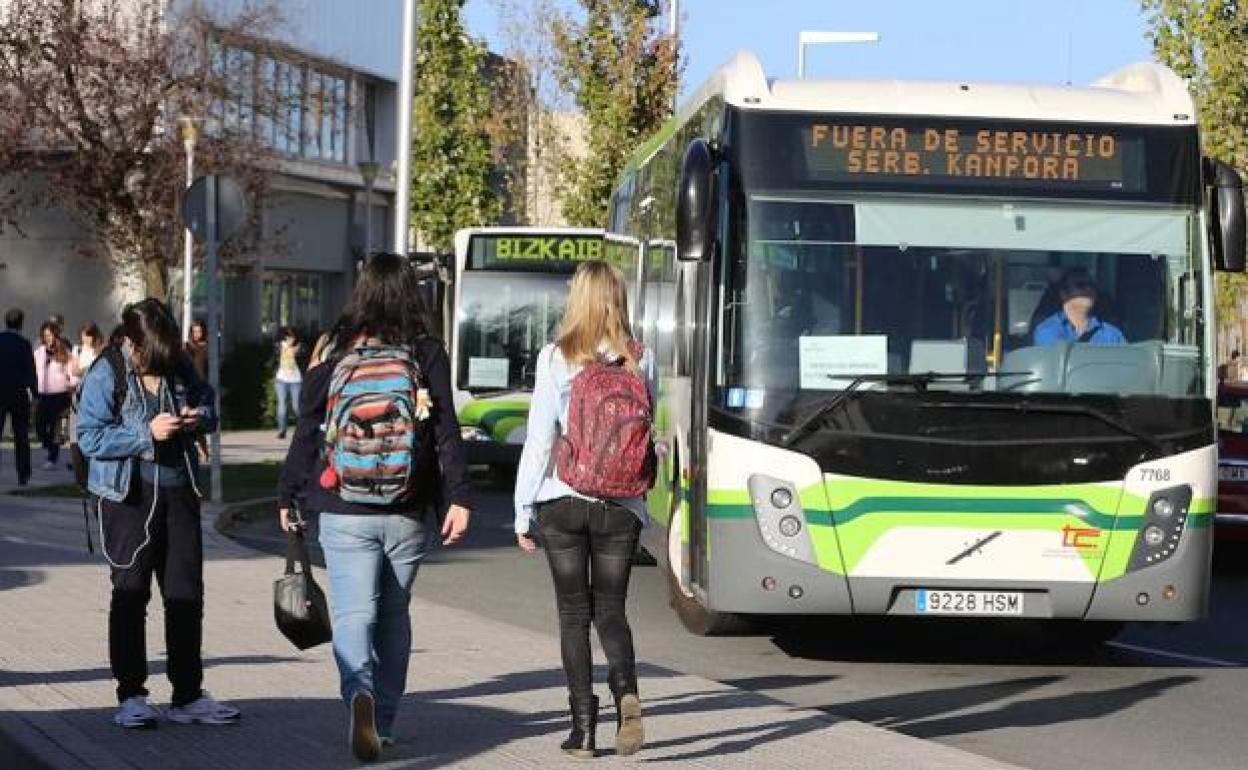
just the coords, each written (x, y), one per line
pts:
(696, 618)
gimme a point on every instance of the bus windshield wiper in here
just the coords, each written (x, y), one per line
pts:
(1081, 409)
(919, 381)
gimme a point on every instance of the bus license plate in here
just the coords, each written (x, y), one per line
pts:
(1233, 473)
(931, 602)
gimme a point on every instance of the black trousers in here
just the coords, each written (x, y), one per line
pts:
(175, 555)
(47, 414)
(590, 547)
(19, 411)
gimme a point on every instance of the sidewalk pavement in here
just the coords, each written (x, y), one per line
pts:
(237, 448)
(483, 695)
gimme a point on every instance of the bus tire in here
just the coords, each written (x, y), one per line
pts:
(696, 619)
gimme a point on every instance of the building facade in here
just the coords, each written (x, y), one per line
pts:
(337, 69)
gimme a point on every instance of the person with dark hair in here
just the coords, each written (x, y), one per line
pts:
(90, 343)
(18, 385)
(197, 346)
(138, 434)
(289, 377)
(1074, 321)
(56, 387)
(374, 534)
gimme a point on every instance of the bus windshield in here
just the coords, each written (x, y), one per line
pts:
(504, 319)
(1068, 298)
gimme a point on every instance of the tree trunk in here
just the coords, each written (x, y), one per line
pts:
(156, 278)
(128, 278)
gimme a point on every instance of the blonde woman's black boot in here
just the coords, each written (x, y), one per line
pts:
(629, 734)
(581, 741)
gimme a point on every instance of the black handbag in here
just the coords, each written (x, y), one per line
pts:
(299, 605)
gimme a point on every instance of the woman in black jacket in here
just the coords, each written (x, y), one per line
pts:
(373, 549)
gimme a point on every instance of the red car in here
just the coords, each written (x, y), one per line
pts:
(1232, 513)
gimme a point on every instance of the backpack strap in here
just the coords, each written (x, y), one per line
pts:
(113, 355)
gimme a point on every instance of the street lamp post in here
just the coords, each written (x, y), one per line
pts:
(403, 153)
(368, 170)
(189, 136)
(813, 37)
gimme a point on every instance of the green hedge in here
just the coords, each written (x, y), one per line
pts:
(247, 397)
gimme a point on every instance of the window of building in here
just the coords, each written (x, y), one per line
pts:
(291, 299)
(297, 109)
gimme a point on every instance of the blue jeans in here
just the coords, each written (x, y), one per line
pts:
(372, 562)
(287, 392)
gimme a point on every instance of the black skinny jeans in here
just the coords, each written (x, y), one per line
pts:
(18, 410)
(48, 413)
(590, 547)
(175, 555)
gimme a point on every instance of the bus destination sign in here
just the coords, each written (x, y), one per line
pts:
(943, 152)
(534, 252)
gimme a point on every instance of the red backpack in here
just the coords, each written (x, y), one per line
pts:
(606, 450)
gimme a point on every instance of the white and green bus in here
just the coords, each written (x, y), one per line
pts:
(878, 393)
(510, 287)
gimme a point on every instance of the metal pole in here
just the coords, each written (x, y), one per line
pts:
(403, 152)
(188, 253)
(368, 217)
(801, 61)
(214, 330)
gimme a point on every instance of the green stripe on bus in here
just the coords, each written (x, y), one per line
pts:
(474, 412)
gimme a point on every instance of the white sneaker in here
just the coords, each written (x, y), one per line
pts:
(136, 714)
(207, 710)
(387, 741)
(362, 735)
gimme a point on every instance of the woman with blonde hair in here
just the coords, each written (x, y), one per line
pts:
(580, 485)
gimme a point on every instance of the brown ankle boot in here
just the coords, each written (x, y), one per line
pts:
(629, 733)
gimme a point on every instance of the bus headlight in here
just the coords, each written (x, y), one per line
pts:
(1154, 536)
(1165, 518)
(781, 521)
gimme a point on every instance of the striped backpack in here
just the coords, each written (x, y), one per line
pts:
(372, 435)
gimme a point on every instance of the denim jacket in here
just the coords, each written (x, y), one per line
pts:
(114, 439)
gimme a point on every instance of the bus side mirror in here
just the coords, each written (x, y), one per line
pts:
(693, 203)
(1227, 201)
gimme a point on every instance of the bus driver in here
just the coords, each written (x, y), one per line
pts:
(1074, 321)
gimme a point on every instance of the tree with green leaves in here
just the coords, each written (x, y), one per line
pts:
(452, 164)
(1206, 43)
(622, 69)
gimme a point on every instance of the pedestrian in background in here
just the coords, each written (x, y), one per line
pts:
(373, 549)
(142, 480)
(90, 343)
(18, 385)
(197, 347)
(289, 378)
(53, 368)
(590, 535)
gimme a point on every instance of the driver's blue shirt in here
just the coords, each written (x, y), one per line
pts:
(1058, 328)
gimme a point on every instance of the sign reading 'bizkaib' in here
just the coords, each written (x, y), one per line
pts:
(881, 151)
(548, 247)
